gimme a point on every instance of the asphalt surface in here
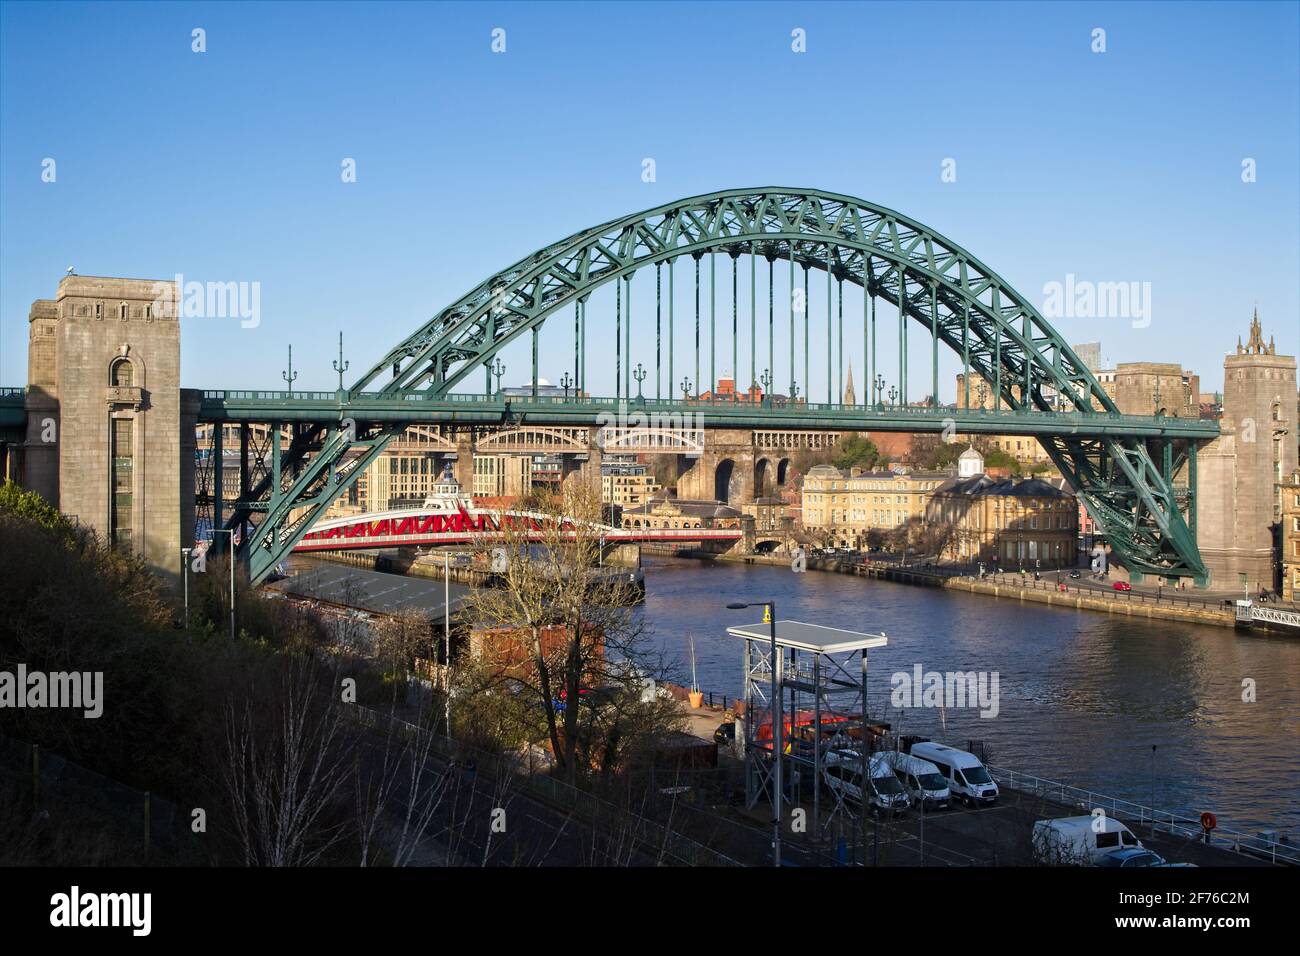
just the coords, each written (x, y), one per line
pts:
(373, 591)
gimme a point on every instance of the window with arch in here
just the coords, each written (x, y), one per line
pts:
(121, 374)
(121, 310)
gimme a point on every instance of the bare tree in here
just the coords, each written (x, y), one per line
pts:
(286, 763)
(563, 636)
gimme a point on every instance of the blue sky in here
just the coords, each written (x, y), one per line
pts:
(225, 166)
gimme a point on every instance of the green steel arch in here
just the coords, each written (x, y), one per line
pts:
(1126, 483)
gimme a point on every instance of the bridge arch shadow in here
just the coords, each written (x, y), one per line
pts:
(722, 477)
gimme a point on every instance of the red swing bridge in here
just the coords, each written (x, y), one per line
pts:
(430, 526)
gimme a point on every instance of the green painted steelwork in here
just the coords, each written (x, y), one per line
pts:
(496, 409)
(935, 283)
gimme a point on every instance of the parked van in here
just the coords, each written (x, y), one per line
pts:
(1080, 841)
(842, 773)
(967, 778)
(921, 779)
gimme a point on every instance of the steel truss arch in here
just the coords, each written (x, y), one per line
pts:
(939, 285)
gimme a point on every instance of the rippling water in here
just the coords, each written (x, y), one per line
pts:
(1083, 696)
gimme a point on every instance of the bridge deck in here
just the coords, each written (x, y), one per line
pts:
(253, 406)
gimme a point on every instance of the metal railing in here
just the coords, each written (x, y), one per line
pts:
(1165, 821)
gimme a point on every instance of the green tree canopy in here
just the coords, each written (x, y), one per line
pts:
(858, 451)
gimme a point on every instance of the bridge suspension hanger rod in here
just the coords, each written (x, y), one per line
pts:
(672, 263)
(934, 344)
(697, 256)
(790, 303)
(902, 337)
(866, 301)
(618, 338)
(658, 327)
(713, 323)
(839, 365)
(735, 329)
(753, 316)
(807, 375)
(771, 315)
(830, 352)
(627, 343)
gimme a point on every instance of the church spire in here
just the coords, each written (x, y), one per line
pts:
(1256, 344)
(850, 397)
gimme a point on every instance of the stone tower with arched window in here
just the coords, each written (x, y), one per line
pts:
(1239, 501)
(104, 434)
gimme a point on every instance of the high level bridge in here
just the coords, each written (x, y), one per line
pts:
(1135, 474)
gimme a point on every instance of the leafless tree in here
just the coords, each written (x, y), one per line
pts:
(286, 762)
(580, 631)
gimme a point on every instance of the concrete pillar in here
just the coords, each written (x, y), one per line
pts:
(464, 464)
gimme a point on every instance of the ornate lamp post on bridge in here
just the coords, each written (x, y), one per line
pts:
(499, 370)
(893, 394)
(686, 389)
(981, 392)
(879, 386)
(766, 379)
(341, 366)
(290, 376)
(639, 374)
(566, 381)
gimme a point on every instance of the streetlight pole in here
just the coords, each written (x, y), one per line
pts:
(185, 576)
(778, 724)
(446, 639)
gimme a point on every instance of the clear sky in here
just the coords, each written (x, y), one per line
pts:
(1122, 166)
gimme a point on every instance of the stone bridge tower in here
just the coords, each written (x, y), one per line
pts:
(104, 413)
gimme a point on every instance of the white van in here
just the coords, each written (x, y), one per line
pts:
(920, 778)
(1080, 841)
(842, 773)
(967, 778)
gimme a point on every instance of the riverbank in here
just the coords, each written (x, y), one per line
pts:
(1122, 604)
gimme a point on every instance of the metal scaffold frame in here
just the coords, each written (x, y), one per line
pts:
(820, 703)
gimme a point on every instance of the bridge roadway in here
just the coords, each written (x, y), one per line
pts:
(498, 409)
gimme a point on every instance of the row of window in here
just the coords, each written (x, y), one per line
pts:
(123, 310)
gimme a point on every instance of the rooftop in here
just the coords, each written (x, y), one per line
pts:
(810, 637)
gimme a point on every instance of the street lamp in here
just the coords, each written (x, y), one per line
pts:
(341, 366)
(499, 369)
(686, 389)
(446, 639)
(566, 382)
(880, 388)
(185, 576)
(766, 379)
(778, 724)
(639, 374)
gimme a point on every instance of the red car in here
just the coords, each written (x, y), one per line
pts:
(1122, 586)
